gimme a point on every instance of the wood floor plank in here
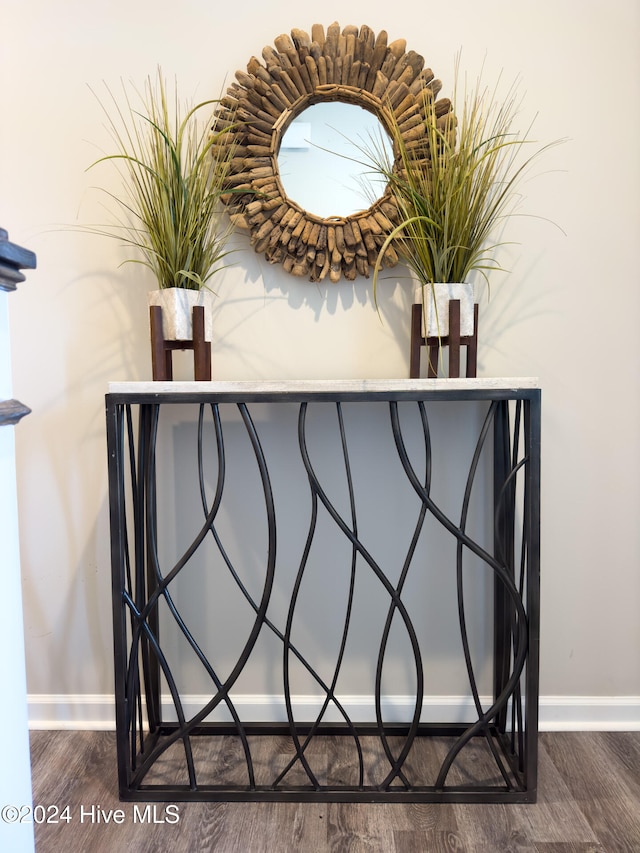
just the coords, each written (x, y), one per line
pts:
(570, 847)
(291, 827)
(203, 826)
(346, 835)
(608, 798)
(555, 818)
(493, 828)
(589, 802)
(74, 771)
(624, 752)
(434, 841)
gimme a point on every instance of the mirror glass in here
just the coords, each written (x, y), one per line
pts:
(318, 154)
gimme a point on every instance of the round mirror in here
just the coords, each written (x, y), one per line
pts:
(321, 159)
(314, 236)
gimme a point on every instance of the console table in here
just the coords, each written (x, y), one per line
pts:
(171, 746)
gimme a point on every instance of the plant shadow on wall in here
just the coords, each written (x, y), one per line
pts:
(516, 306)
(320, 299)
(108, 307)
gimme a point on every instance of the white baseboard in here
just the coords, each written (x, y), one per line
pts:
(94, 712)
(557, 713)
(590, 713)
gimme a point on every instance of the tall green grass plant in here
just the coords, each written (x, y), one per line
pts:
(172, 169)
(456, 184)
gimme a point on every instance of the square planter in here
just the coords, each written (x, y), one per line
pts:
(177, 305)
(437, 309)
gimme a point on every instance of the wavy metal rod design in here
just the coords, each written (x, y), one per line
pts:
(247, 595)
(330, 693)
(519, 646)
(380, 575)
(396, 764)
(159, 748)
(222, 694)
(516, 707)
(287, 641)
(487, 733)
(503, 576)
(184, 728)
(136, 710)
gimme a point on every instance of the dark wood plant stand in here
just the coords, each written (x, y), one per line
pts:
(162, 349)
(453, 340)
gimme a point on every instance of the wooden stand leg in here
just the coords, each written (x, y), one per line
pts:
(201, 348)
(161, 365)
(472, 347)
(454, 338)
(417, 341)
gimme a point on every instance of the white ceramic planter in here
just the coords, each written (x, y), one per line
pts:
(177, 305)
(437, 310)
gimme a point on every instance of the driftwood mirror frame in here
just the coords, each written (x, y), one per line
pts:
(351, 65)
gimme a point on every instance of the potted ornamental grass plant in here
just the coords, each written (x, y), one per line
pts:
(172, 168)
(456, 182)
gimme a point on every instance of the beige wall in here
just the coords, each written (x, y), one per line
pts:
(80, 321)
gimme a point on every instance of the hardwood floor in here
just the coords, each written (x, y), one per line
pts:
(589, 801)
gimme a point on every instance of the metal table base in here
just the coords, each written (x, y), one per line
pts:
(489, 758)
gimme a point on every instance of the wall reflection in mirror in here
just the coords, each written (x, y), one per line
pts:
(323, 159)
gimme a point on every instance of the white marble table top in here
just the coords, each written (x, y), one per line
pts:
(324, 386)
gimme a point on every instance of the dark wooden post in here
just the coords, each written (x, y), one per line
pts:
(472, 347)
(13, 258)
(161, 365)
(454, 338)
(417, 341)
